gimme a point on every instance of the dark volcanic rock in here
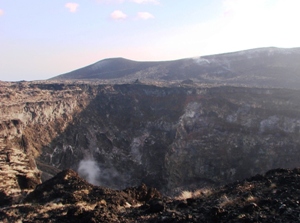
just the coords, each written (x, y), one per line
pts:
(61, 188)
(67, 187)
(5, 199)
(67, 198)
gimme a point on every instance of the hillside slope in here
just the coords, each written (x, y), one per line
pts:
(272, 197)
(264, 67)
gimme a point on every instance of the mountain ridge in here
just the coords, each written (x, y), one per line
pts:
(261, 67)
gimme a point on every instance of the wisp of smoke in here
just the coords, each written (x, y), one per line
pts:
(89, 170)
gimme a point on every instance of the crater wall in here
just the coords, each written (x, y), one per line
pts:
(171, 137)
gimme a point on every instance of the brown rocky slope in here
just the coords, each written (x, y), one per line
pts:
(273, 197)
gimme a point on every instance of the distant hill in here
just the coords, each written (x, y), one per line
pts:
(263, 67)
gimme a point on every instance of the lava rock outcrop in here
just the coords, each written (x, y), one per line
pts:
(272, 197)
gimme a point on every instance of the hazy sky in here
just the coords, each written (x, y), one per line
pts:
(40, 39)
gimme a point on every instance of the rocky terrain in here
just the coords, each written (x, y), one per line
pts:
(273, 197)
(31, 115)
(263, 67)
(172, 138)
(191, 125)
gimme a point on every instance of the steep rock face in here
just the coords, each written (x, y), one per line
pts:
(172, 138)
(18, 174)
(126, 130)
(234, 132)
(31, 116)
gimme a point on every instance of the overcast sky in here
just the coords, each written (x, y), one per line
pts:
(40, 39)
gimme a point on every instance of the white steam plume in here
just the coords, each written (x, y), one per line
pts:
(89, 170)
